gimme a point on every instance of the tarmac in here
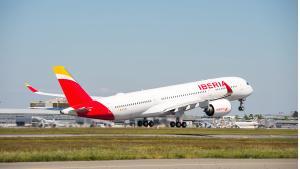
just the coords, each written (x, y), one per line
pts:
(238, 136)
(160, 163)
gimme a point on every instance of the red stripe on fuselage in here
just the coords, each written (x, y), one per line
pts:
(96, 111)
(228, 88)
(78, 98)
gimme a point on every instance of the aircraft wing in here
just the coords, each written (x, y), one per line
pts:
(185, 106)
(177, 106)
(172, 107)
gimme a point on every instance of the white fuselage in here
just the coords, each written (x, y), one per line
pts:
(135, 104)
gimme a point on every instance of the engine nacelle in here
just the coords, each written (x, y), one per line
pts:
(218, 108)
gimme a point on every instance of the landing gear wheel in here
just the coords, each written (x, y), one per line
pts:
(172, 124)
(178, 124)
(145, 123)
(183, 124)
(151, 123)
(241, 107)
(140, 123)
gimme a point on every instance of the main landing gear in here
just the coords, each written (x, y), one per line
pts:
(241, 107)
(178, 124)
(145, 123)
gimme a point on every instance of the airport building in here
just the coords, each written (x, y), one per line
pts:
(47, 114)
(53, 104)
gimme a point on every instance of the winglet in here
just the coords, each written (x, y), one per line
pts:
(31, 88)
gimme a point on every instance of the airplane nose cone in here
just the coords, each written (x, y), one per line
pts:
(250, 90)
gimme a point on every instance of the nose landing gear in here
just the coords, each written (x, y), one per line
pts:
(241, 107)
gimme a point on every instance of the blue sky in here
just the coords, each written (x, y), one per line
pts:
(122, 46)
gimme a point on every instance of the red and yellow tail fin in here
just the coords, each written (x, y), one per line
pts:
(72, 90)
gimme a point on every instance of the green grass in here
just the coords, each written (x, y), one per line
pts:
(188, 131)
(112, 148)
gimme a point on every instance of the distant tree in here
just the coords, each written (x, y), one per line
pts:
(237, 116)
(259, 116)
(246, 117)
(286, 117)
(251, 116)
(295, 114)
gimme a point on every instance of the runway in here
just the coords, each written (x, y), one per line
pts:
(161, 163)
(237, 136)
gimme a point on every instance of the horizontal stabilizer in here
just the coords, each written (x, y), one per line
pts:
(36, 91)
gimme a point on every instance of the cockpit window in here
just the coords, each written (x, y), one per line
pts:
(248, 83)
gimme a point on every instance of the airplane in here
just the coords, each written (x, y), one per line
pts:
(212, 95)
(42, 122)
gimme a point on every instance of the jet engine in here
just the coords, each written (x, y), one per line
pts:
(218, 108)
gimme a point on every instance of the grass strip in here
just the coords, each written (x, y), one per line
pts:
(109, 148)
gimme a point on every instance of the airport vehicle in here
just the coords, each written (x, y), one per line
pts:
(212, 95)
(42, 122)
(246, 124)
